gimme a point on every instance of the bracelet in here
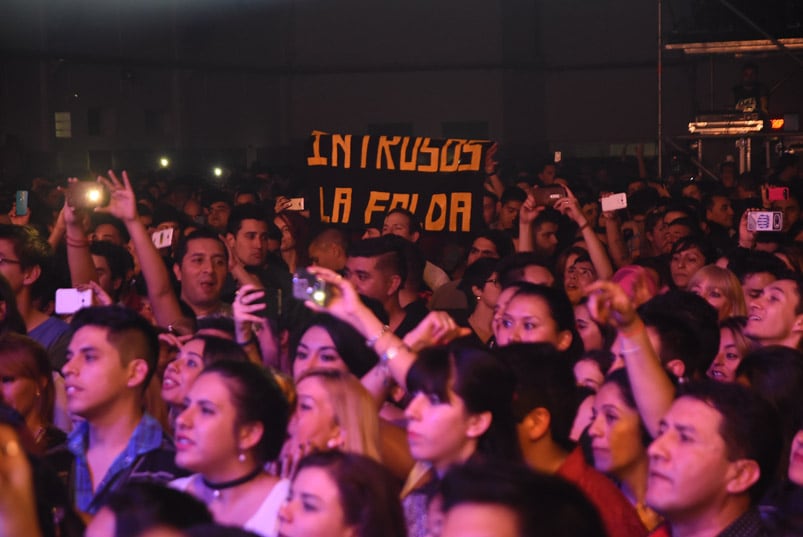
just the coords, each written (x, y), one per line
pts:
(391, 353)
(370, 342)
(76, 243)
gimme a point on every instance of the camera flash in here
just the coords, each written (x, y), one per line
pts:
(93, 195)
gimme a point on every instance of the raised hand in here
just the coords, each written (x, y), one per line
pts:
(437, 328)
(122, 200)
(609, 304)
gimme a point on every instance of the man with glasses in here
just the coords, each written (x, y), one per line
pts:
(24, 257)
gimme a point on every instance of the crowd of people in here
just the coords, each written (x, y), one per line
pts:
(232, 368)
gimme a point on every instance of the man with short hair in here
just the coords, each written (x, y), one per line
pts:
(25, 257)
(509, 206)
(201, 268)
(713, 458)
(377, 269)
(217, 208)
(775, 316)
(111, 358)
(328, 249)
(502, 499)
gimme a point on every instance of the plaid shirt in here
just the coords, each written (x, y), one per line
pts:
(148, 456)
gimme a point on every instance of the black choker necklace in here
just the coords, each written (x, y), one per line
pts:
(217, 487)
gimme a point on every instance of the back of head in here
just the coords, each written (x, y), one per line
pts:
(217, 349)
(129, 332)
(688, 329)
(369, 495)
(541, 505)
(544, 379)
(511, 268)
(749, 426)
(139, 506)
(257, 398)
(775, 373)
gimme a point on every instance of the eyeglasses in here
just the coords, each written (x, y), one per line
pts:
(7, 261)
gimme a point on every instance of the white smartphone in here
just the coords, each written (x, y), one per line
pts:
(614, 202)
(70, 300)
(764, 221)
(296, 204)
(163, 238)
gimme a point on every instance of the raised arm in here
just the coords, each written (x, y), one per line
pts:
(652, 388)
(123, 205)
(82, 268)
(596, 250)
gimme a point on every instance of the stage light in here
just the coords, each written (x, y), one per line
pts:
(218, 171)
(164, 162)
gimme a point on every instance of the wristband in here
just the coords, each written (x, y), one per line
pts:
(370, 342)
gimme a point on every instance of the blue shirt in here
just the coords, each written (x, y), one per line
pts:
(131, 464)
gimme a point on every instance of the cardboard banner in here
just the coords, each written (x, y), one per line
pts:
(356, 179)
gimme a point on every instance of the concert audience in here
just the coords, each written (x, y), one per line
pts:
(304, 414)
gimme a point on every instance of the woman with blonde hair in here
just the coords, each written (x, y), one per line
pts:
(333, 411)
(721, 288)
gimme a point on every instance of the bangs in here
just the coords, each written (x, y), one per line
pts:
(430, 373)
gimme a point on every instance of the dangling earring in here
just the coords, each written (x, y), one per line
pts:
(241, 457)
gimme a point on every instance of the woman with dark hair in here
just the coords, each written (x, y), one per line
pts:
(26, 385)
(295, 239)
(330, 343)
(688, 255)
(481, 286)
(596, 336)
(335, 494)
(539, 314)
(193, 356)
(233, 424)
(619, 442)
(461, 410)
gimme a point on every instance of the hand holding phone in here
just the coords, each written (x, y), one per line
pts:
(548, 195)
(70, 300)
(614, 202)
(87, 195)
(307, 286)
(21, 203)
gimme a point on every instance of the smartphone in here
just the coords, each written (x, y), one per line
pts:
(614, 202)
(548, 195)
(558, 157)
(70, 300)
(87, 195)
(307, 286)
(163, 238)
(273, 304)
(296, 204)
(22, 202)
(778, 193)
(764, 221)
